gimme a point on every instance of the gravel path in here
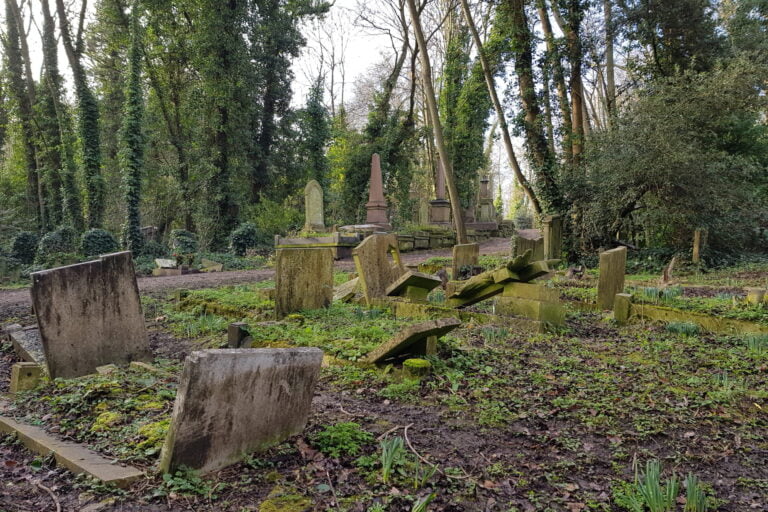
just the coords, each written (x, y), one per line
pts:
(20, 298)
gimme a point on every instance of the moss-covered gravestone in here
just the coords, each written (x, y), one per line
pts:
(303, 280)
(622, 308)
(378, 264)
(414, 286)
(613, 266)
(233, 402)
(419, 339)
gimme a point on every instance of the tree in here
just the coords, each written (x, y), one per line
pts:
(315, 133)
(132, 140)
(88, 115)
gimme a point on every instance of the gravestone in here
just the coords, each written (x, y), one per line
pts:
(89, 315)
(376, 207)
(313, 207)
(699, 243)
(534, 301)
(526, 239)
(464, 255)
(345, 292)
(553, 236)
(486, 210)
(418, 339)
(613, 265)
(303, 280)
(378, 264)
(622, 308)
(233, 402)
(414, 286)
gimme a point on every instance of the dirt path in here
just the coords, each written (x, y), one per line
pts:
(20, 298)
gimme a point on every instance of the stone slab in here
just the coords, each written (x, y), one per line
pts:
(89, 315)
(550, 313)
(165, 263)
(532, 291)
(163, 272)
(413, 279)
(613, 265)
(72, 456)
(233, 402)
(303, 280)
(378, 264)
(345, 292)
(403, 342)
(27, 345)
(464, 255)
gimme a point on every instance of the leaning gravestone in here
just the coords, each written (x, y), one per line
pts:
(89, 315)
(233, 402)
(378, 265)
(417, 339)
(313, 207)
(303, 280)
(613, 265)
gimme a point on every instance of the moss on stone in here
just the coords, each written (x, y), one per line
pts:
(417, 367)
(281, 501)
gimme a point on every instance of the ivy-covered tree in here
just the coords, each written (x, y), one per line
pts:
(315, 133)
(132, 140)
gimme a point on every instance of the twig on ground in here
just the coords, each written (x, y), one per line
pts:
(333, 489)
(51, 494)
(425, 461)
(385, 434)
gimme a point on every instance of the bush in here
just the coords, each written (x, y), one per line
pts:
(98, 241)
(154, 249)
(24, 247)
(61, 241)
(183, 241)
(245, 237)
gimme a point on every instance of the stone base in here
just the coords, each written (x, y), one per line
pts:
(549, 313)
(25, 376)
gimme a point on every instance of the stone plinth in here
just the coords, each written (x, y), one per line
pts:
(378, 264)
(440, 212)
(313, 207)
(303, 280)
(613, 265)
(89, 315)
(233, 402)
(464, 256)
(376, 207)
(25, 376)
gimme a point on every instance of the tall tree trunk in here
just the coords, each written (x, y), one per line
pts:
(18, 86)
(88, 114)
(522, 50)
(521, 179)
(572, 37)
(609, 64)
(426, 73)
(558, 76)
(549, 128)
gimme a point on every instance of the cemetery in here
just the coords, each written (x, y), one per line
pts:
(384, 256)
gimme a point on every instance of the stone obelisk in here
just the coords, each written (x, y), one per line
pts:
(376, 208)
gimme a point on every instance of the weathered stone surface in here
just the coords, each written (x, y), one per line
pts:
(613, 265)
(165, 263)
(622, 308)
(553, 237)
(378, 264)
(25, 376)
(528, 239)
(89, 315)
(549, 313)
(413, 340)
(532, 291)
(233, 402)
(303, 280)
(237, 334)
(74, 457)
(313, 207)
(27, 345)
(414, 285)
(345, 292)
(464, 255)
(211, 266)
(376, 207)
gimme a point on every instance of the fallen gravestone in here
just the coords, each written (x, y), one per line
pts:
(89, 315)
(613, 265)
(378, 264)
(414, 286)
(303, 280)
(233, 402)
(27, 345)
(345, 292)
(419, 339)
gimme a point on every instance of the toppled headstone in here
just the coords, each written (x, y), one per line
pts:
(464, 256)
(303, 280)
(414, 286)
(378, 264)
(25, 376)
(345, 292)
(313, 207)
(89, 315)
(418, 339)
(613, 265)
(27, 345)
(233, 402)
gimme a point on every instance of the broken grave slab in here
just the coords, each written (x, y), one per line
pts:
(27, 345)
(414, 285)
(89, 315)
(412, 340)
(345, 292)
(233, 402)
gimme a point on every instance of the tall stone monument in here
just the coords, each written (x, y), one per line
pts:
(313, 207)
(376, 208)
(440, 207)
(487, 213)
